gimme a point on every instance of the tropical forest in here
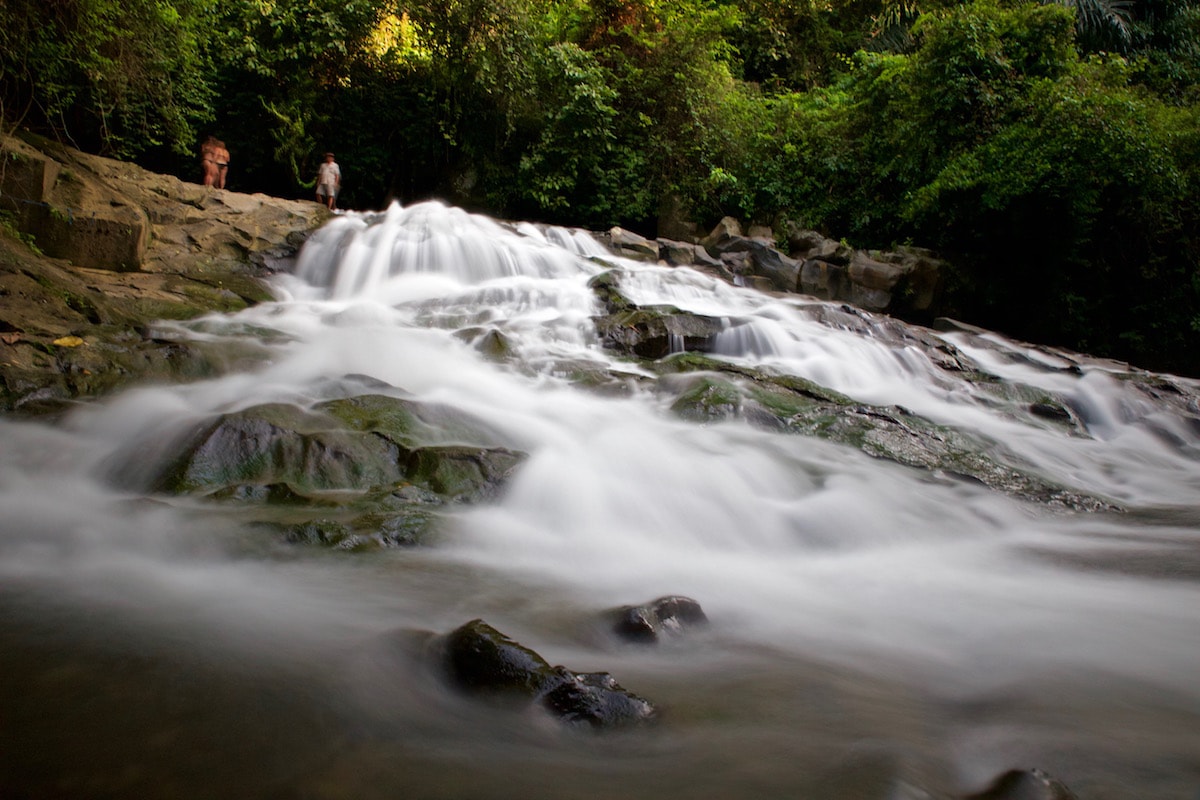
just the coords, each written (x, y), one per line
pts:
(599, 399)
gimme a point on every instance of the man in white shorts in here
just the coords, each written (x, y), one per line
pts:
(329, 180)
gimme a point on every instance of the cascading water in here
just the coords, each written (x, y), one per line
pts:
(882, 627)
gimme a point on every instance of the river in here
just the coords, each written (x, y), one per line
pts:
(877, 629)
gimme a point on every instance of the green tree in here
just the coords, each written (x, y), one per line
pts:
(282, 66)
(120, 78)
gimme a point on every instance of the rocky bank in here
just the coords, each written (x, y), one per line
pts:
(93, 250)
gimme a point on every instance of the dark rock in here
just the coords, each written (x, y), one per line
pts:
(482, 661)
(655, 331)
(631, 245)
(1050, 410)
(724, 230)
(1020, 784)
(683, 254)
(278, 443)
(803, 241)
(662, 618)
(677, 254)
(595, 699)
(783, 272)
(479, 658)
(823, 279)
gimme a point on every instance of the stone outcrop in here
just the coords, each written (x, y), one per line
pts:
(93, 249)
(905, 282)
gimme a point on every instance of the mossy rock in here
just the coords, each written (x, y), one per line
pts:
(709, 399)
(382, 449)
(279, 443)
(461, 473)
(366, 532)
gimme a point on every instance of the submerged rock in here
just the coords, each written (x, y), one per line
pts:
(663, 618)
(1019, 784)
(480, 660)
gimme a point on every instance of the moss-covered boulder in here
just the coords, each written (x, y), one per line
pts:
(360, 472)
(707, 389)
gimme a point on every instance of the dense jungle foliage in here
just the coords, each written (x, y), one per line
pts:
(1050, 149)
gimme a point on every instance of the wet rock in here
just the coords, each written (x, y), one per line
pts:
(460, 472)
(648, 331)
(1050, 410)
(720, 390)
(707, 399)
(1019, 784)
(655, 331)
(354, 444)
(278, 443)
(631, 245)
(757, 258)
(482, 661)
(479, 658)
(594, 699)
(725, 230)
(659, 619)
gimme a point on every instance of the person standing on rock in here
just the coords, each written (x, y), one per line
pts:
(214, 160)
(329, 180)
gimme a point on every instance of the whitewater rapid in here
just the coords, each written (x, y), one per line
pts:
(802, 551)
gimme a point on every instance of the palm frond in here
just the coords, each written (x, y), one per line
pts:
(1103, 20)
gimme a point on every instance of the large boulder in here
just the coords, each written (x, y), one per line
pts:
(725, 230)
(360, 472)
(358, 444)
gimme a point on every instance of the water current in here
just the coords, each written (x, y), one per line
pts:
(877, 629)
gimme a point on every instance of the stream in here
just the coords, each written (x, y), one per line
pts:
(878, 627)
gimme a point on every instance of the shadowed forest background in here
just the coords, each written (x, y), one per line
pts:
(1049, 150)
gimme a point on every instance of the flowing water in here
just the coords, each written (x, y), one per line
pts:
(877, 630)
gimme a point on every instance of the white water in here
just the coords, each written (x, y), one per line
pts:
(878, 630)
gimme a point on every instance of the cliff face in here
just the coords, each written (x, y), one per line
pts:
(93, 250)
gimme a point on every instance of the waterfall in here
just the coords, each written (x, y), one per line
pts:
(871, 603)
